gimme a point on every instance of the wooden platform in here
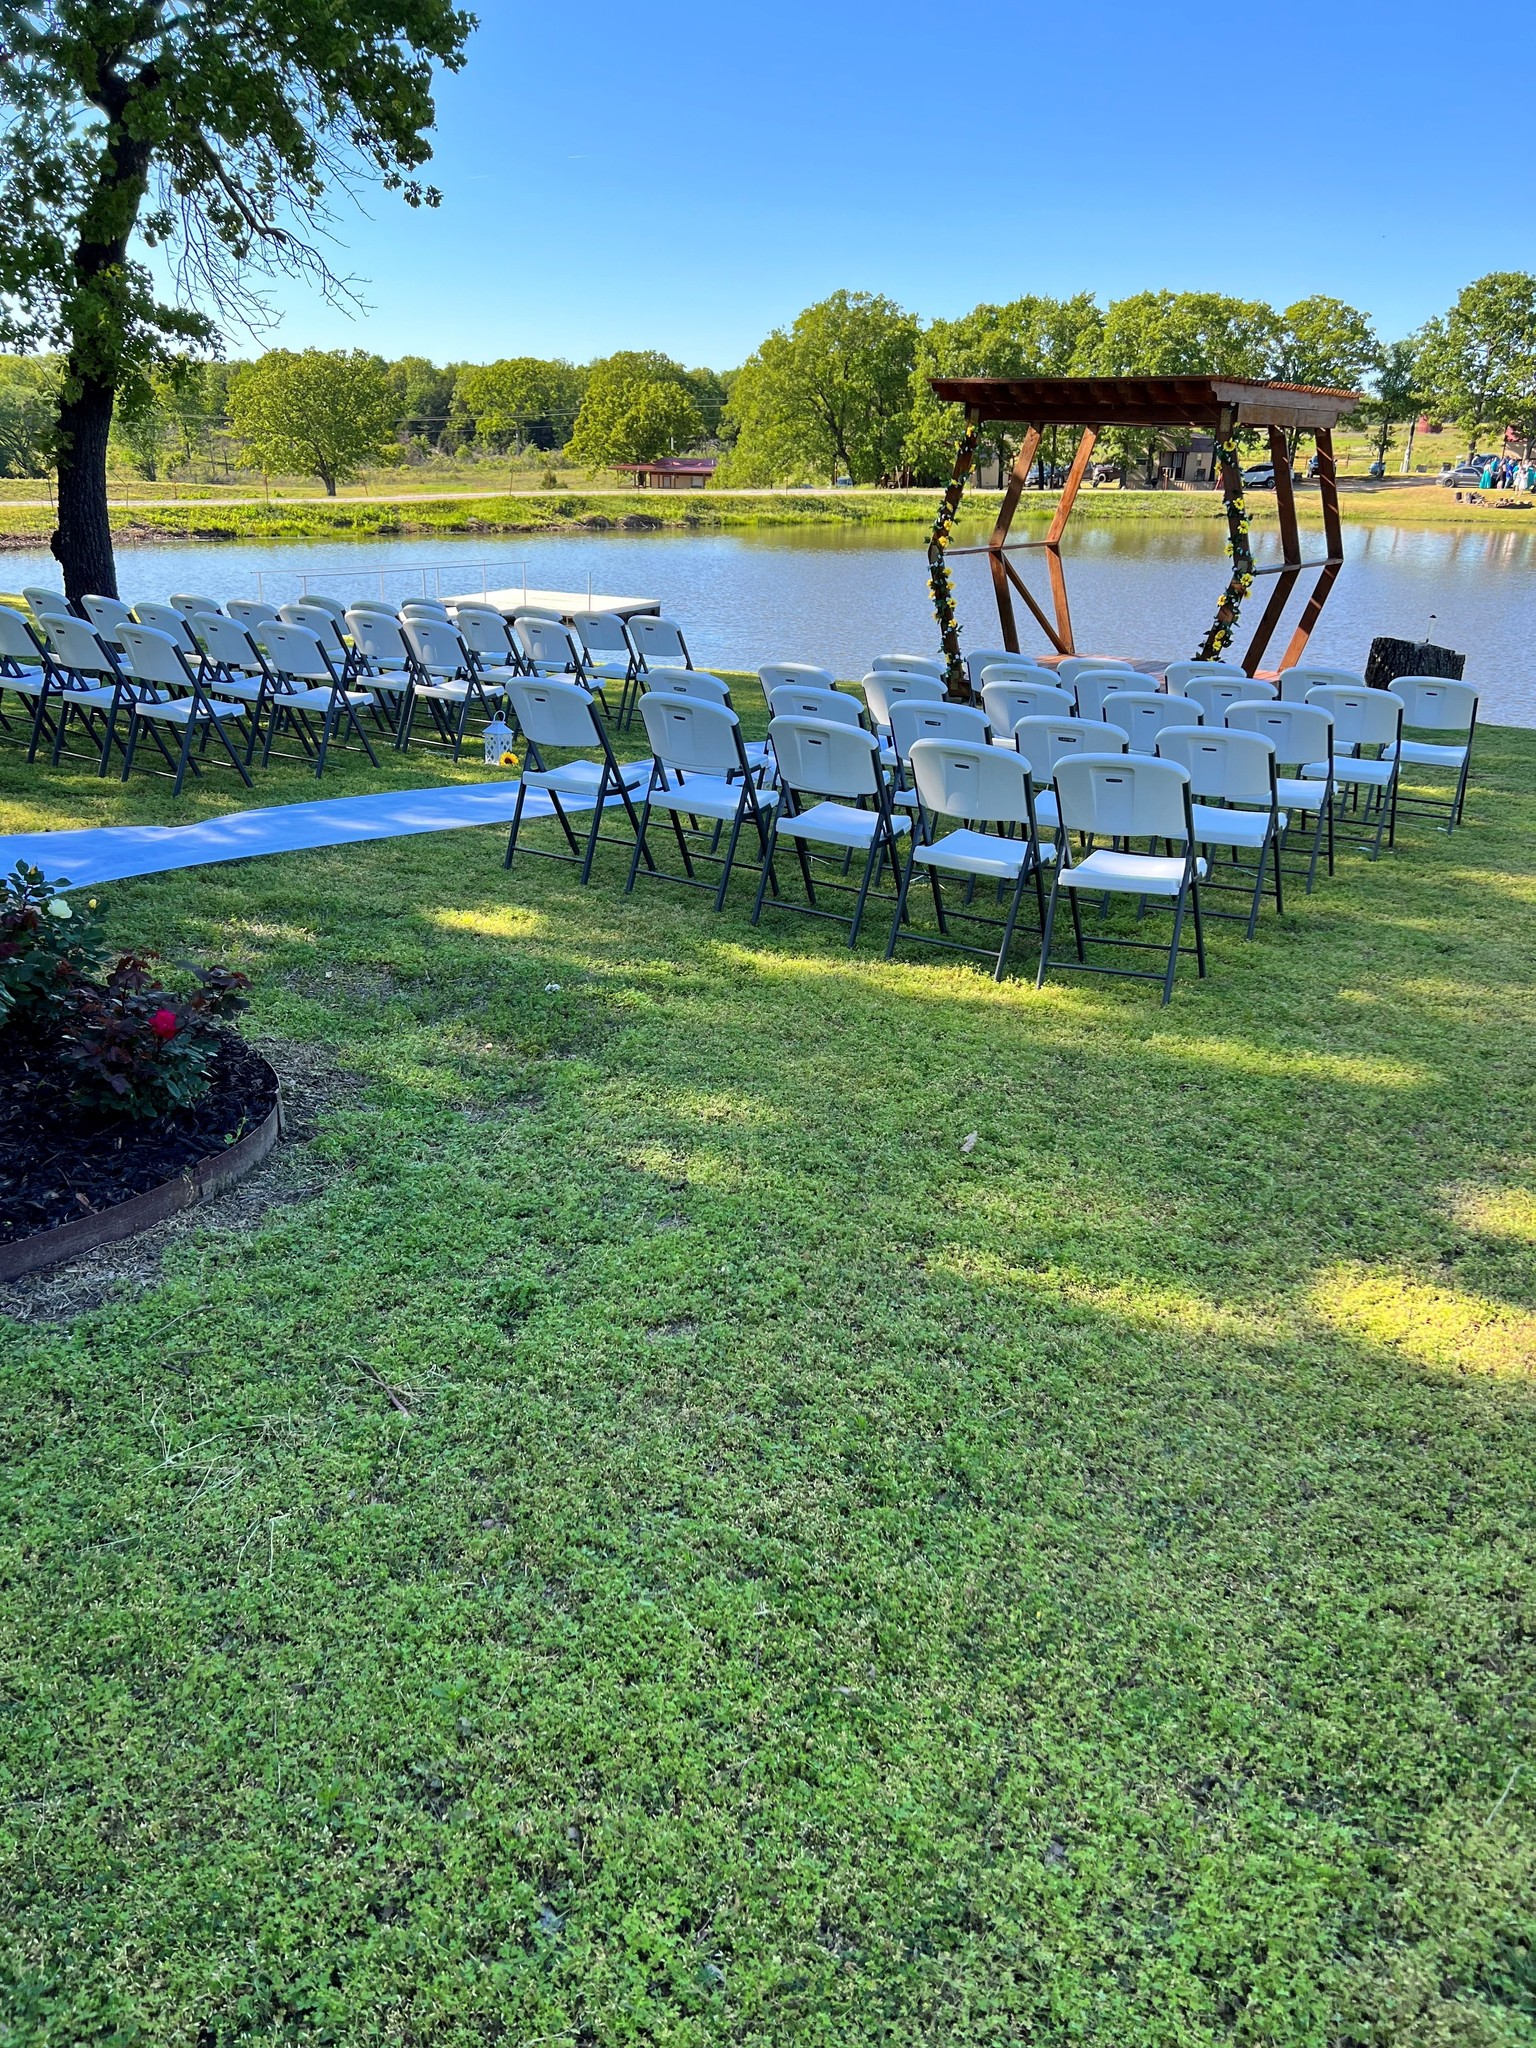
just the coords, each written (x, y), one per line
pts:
(566, 602)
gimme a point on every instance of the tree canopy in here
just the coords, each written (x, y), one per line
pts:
(520, 400)
(832, 397)
(1479, 363)
(325, 411)
(209, 134)
(638, 405)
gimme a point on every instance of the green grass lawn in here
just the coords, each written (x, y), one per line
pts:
(813, 1583)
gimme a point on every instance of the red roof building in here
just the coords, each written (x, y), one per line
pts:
(670, 472)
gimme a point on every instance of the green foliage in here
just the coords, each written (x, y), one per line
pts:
(48, 944)
(1323, 341)
(830, 398)
(132, 1048)
(1478, 364)
(520, 401)
(28, 410)
(1396, 396)
(325, 411)
(1029, 337)
(647, 1541)
(638, 405)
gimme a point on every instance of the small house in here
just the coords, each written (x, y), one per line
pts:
(670, 472)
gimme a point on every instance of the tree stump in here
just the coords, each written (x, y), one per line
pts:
(1390, 659)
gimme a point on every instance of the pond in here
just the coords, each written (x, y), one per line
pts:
(836, 599)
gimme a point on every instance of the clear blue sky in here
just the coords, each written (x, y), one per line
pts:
(687, 177)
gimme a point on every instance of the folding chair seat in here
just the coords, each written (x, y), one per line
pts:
(308, 686)
(189, 602)
(163, 688)
(106, 614)
(25, 671)
(1297, 684)
(980, 785)
(1043, 741)
(699, 770)
(911, 665)
(840, 764)
(1214, 694)
(382, 657)
(610, 655)
(446, 678)
(1124, 797)
(558, 716)
(1436, 704)
(658, 642)
(251, 611)
(1010, 697)
(1142, 715)
(1362, 718)
(929, 718)
(1298, 733)
(85, 681)
(165, 618)
(1234, 802)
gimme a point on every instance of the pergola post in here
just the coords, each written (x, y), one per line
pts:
(1333, 561)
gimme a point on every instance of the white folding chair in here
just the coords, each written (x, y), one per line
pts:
(165, 618)
(447, 679)
(1093, 685)
(611, 656)
(977, 664)
(42, 600)
(164, 689)
(320, 620)
(840, 764)
(558, 716)
(251, 611)
(333, 605)
(234, 667)
(1045, 740)
(1142, 715)
(106, 614)
(699, 770)
(552, 648)
(658, 641)
(84, 681)
(1068, 670)
(383, 657)
(1179, 673)
(1363, 718)
(1214, 693)
(188, 602)
(1297, 684)
(708, 689)
(310, 687)
(1234, 802)
(981, 786)
(1448, 710)
(884, 687)
(811, 700)
(25, 671)
(487, 633)
(1008, 698)
(1298, 733)
(774, 675)
(911, 665)
(1121, 798)
(930, 718)
(424, 608)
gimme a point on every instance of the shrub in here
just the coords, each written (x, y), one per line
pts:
(47, 946)
(134, 1049)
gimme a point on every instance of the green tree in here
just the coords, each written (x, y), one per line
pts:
(1323, 341)
(422, 396)
(1180, 334)
(519, 401)
(28, 408)
(638, 405)
(1396, 398)
(208, 133)
(832, 397)
(1479, 362)
(322, 411)
(1028, 337)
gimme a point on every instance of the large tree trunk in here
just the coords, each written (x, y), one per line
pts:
(82, 544)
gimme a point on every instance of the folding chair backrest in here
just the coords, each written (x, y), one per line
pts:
(18, 642)
(777, 673)
(320, 620)
(77, 646)
(910, 665)
(984, 658)
(154, 657)
(378, 636)
(376, 607)
(1078, 664)
(888, 686)
(658, 639)
(1010, 698)
(165, 618)
(436, 645)
(924, 718)
(602, 633)
(1045, 741)
(1093, 685)
(188, 601)
(688, 682)
(106, 614)
(1131, 796)
(690, 734)
(1179, 674)
(251, 611)
(224, 641)
(980, 783)
(791, 701)
(45, 600)
(1299, 733)
(483, 628)
(1214, 694)
(295, 651)
(825, 759)
(553, 713)
(1361, 717)
(551, 642)
(1297, 684)
(1144, 713)
(1221, 763)
(333, 605)
(424, 608)
(1436, 704)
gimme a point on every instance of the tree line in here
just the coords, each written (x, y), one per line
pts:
(845, 391)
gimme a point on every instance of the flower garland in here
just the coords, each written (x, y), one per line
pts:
(943, 590)
(1239, 547)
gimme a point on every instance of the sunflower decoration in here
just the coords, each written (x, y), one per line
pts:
(939, 583)
(509, 759)
(1240, 550)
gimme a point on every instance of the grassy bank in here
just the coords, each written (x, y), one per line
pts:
(707, 511)
(651, 1540)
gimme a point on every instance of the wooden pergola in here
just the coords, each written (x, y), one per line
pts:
(1220, 406)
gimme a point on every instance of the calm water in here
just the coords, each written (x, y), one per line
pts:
(786, 594)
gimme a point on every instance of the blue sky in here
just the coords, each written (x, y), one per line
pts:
(687, 177)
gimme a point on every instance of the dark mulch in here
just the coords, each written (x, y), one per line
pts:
(57, 1164)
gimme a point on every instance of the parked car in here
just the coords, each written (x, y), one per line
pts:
(1463, 474)
(1104, 473)
(1260, 478)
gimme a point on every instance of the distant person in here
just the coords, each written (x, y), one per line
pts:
(1486, 479)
